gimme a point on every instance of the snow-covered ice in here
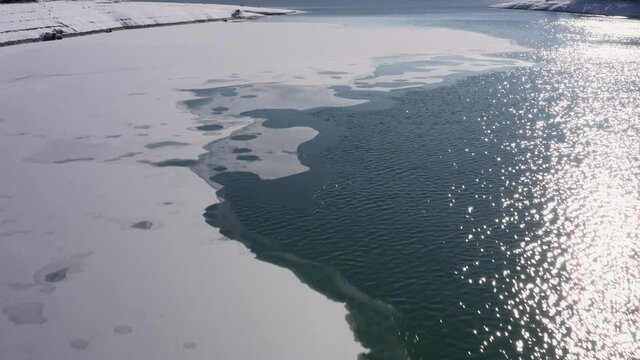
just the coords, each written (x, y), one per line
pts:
(627, 8)
(103, 256)
(21, 22)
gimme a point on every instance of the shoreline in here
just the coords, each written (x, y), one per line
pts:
(88, 17)
(619, 8)
(93, 32)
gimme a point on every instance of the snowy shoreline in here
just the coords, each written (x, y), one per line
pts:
(625, 8)
(26, 22)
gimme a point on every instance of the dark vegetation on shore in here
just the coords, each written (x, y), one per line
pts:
(16, 1)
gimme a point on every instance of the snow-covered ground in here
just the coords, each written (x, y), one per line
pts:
(27, 21)
(104, 256)
(627, 8)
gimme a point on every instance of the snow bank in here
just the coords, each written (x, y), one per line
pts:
(22, 22)
(627, 8)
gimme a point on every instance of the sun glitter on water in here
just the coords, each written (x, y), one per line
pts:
(577, 295)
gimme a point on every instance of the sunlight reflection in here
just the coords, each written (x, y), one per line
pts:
(577, 295)
(584, 284)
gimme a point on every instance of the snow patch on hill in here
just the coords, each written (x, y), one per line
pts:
(627, 8)
(23, 22)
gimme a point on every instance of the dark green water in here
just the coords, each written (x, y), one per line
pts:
(383, 209)
(472, 219)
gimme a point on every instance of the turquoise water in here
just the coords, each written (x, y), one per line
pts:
(494, 216)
